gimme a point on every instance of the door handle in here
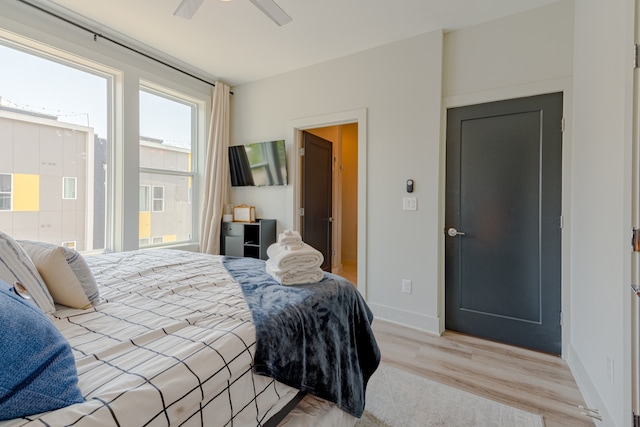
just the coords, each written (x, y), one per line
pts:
(453, 232)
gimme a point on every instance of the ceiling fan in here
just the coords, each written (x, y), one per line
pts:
(188, 8)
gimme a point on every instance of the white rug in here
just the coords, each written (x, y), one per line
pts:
(396, 398)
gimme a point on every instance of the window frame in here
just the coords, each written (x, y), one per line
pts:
(155, 199)
(59, 55)
(194, 174)
(10, 193)
(64, 187)
(147, 199)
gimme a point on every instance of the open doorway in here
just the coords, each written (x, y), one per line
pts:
(344, 247)
(359, 119)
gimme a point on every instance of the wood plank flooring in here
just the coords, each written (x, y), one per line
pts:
(535, 382)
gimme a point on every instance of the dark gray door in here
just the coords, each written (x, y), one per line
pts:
(503, 191)
(317, 194)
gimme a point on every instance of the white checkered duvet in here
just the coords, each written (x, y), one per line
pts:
(171, 344)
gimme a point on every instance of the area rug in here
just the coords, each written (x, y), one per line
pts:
(396, 398)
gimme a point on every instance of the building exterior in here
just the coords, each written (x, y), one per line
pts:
(165, 199)
(54, 180)
(44, 173)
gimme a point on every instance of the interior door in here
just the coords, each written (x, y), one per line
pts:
(316, 195)
(503, 220)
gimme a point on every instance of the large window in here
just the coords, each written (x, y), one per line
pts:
(167, 123)
(54, 124)
(71, 145)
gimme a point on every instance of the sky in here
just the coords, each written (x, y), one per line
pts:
(44, 86)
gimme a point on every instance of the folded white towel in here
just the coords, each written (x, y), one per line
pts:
(295, 277)
(286, 258)
(290, 237)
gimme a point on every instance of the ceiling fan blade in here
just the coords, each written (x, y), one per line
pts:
(273, 11)
(187, 8)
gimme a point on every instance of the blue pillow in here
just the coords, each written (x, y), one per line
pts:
(38, 370)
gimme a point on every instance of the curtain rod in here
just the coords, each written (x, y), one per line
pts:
(102, 36)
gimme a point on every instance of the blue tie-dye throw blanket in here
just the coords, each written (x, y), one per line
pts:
(314, 337)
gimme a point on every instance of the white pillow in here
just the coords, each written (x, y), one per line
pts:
(65, 273)
(16, 266)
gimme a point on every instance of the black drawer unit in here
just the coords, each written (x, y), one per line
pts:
(247, 239)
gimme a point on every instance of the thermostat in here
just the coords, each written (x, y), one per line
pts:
(409, 186)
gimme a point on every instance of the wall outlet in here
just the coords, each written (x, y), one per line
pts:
(610, 369)
(406, 286)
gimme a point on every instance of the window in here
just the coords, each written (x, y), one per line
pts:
(158, 198)
(6, 186)
(167, 126)
(72, 122)
(69, 187)
(60, 125)
(145, 196)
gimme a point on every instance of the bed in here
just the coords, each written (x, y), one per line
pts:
(172, 341)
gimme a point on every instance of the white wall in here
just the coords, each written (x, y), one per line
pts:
(399, 85)
(500, 58)
(600, 267)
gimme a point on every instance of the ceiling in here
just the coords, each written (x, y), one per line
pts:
(234, 42)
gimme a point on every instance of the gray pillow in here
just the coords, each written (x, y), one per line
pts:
(16, 266)
(65, 272)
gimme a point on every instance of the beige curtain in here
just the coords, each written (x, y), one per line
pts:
(216, 184)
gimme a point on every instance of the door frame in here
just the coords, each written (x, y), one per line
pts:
(295, 128)
(565, 86)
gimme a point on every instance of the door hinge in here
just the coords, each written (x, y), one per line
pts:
(635, 239)
(562, 125)
(636, 55)
(301, 151)
(561, 222)
(300, 211)
(561, 319)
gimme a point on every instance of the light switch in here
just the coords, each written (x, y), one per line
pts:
(409, 204)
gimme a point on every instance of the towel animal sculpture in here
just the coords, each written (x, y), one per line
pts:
(293, 262)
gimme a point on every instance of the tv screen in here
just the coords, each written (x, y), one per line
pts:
(258, 164)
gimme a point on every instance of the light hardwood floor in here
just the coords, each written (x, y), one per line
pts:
(535, 382)
(350, 271)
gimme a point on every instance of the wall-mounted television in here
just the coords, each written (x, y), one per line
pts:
(258, 164)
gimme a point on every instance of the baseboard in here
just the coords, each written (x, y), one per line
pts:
(406, 318)
(588, 389)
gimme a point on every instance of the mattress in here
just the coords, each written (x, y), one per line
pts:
(171, 343)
